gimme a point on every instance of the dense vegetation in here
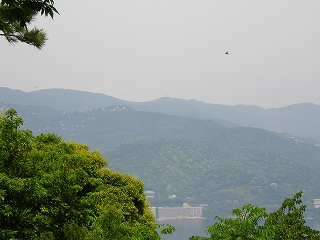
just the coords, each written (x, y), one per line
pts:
(200, 161)
(221, 176)
(52, 189)
(252, 222)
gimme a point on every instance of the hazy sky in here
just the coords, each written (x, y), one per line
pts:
(140, 50)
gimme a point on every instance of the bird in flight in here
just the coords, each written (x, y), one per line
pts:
(226, 52)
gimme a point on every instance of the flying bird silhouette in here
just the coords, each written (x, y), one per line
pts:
(226, 52)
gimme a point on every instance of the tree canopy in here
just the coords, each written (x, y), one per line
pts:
(17, 15)
(52, 189)
(245, 226)
(289, 221)
(252, 222)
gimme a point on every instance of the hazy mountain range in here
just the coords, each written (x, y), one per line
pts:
(202, 153)
(298, 119)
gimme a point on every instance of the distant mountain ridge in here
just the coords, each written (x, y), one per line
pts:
(64, 100)
(198, 160)
(298, 119)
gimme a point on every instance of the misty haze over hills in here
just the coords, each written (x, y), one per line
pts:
(203, 153)
(298, 119)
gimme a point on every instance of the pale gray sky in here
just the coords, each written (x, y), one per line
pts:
(140, 50)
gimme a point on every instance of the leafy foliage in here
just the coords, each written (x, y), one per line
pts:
(285, 223)
(289, 221)
(15, 16)
(244, 226)
(51, 189)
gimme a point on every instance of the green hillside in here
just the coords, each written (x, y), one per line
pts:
(198, 160)
(107, 128)
(224, 177)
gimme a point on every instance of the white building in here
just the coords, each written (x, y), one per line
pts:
(316, 203)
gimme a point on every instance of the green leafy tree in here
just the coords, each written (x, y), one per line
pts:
(17, 15)
(51, 189)
(289, 221)
(245, 226)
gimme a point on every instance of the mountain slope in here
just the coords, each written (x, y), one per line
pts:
(197, 160)
(298, 120)
(59, 99)
(223, 177)
(107, 128)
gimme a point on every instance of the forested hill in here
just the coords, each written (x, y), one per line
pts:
(198, 160)
(299, 119)
(223, 177)
(107, 128)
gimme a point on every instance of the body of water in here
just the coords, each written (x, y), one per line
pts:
(186, 228)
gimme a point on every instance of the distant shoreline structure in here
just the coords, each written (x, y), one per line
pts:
(184, 212)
